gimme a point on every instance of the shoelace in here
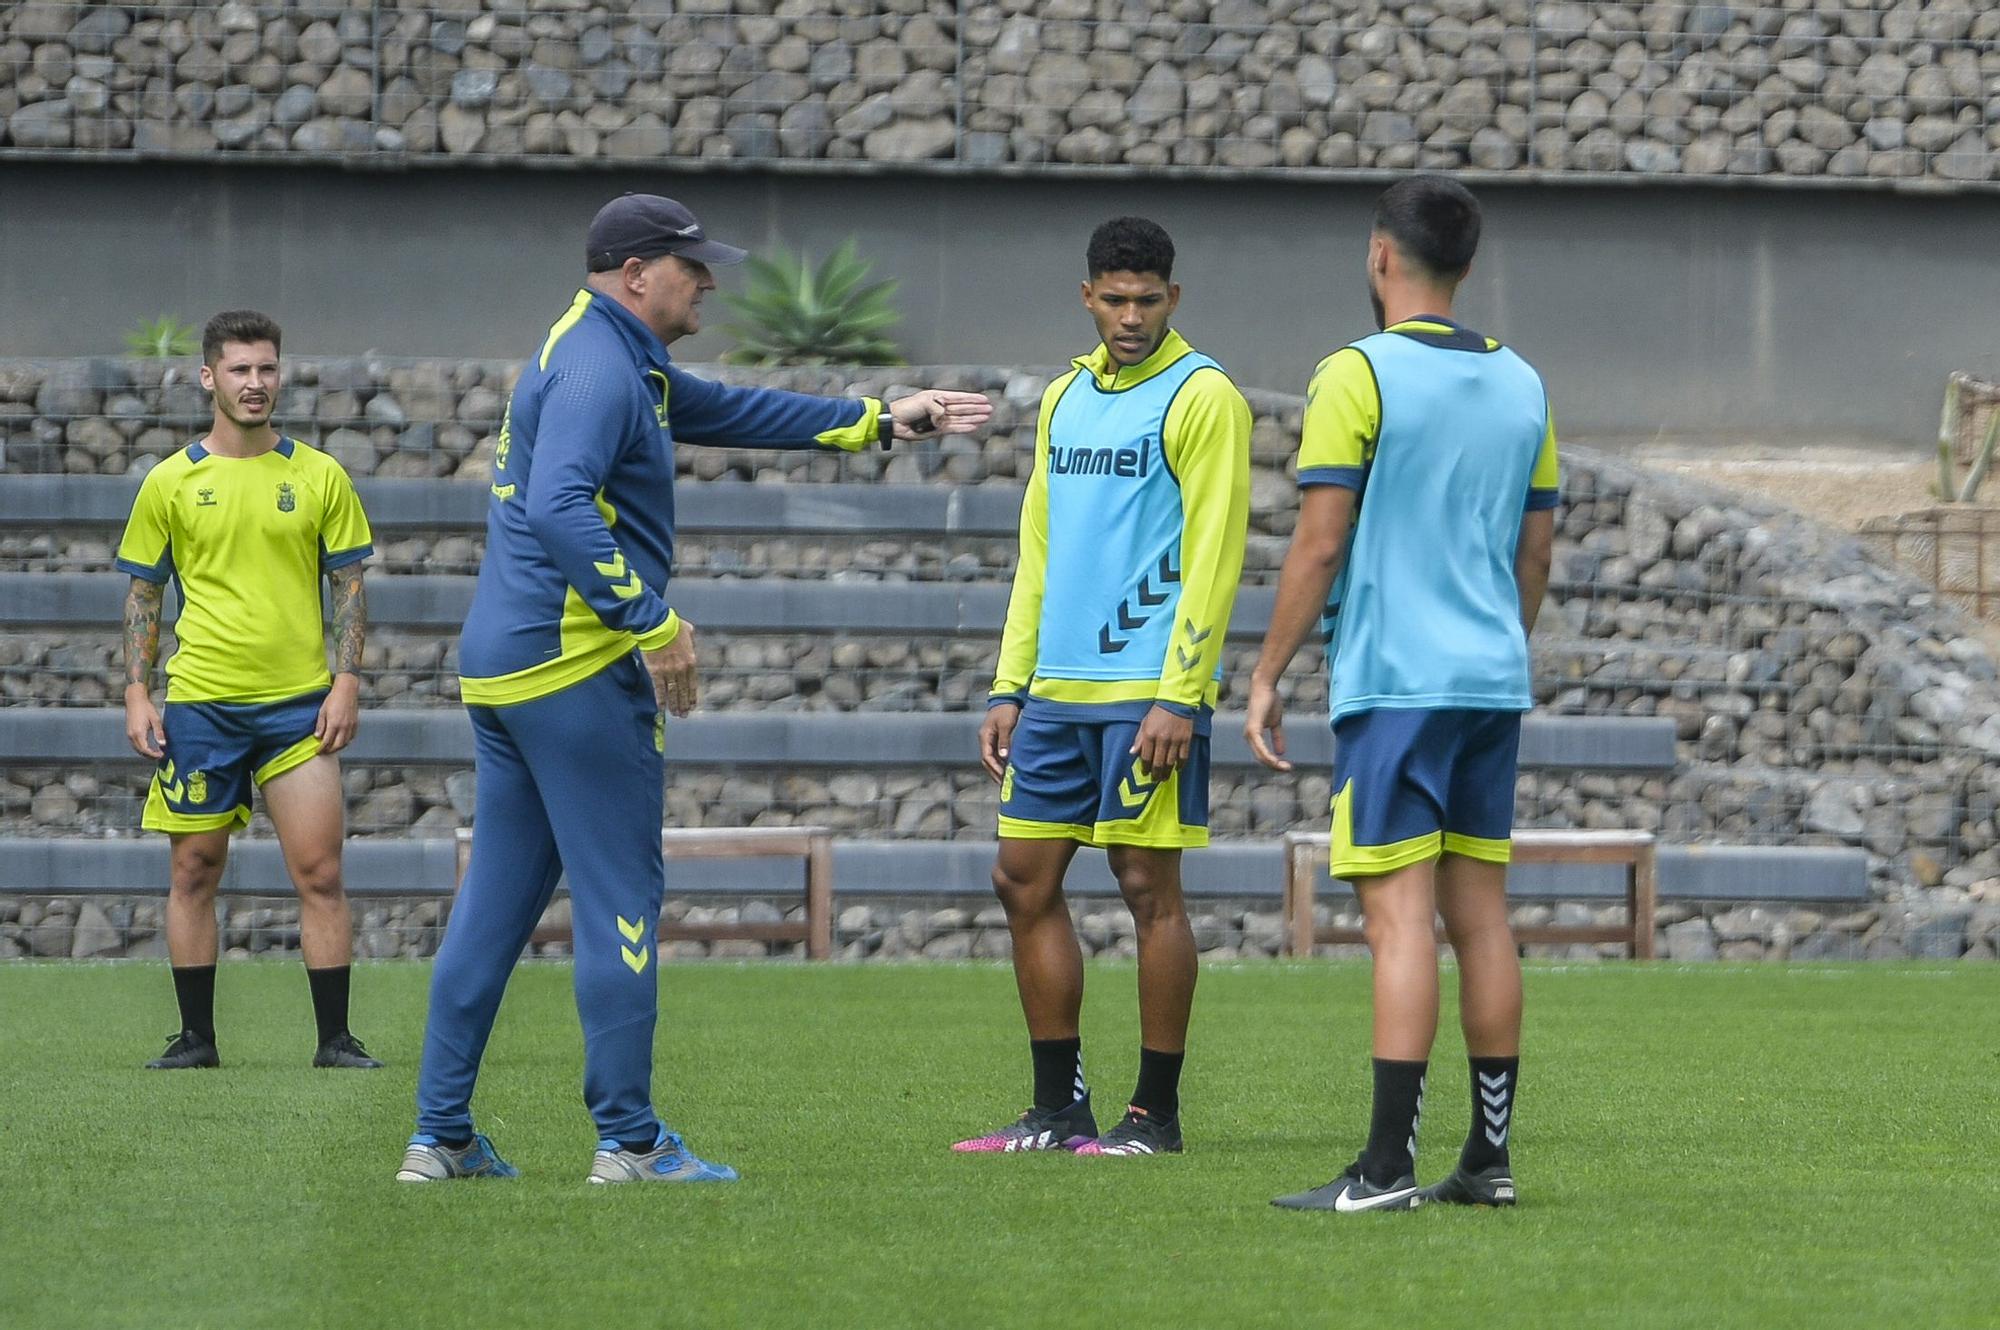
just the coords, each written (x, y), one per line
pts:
(349, 1046)
(1038, 1119)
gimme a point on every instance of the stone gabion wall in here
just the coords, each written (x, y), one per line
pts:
(1883, 91)
(432, 418)
(1820, 698)
(909, 929)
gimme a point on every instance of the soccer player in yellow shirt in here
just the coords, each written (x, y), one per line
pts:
(247, 522)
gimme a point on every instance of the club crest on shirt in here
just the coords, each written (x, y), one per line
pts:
(288, 499)
(204, 497)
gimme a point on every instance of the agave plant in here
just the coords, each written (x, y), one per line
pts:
(796, 314)
(164, 338)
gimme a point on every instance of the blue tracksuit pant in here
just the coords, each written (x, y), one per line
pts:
(568, 782)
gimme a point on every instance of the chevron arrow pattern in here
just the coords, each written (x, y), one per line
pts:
(1135, 789)
(1417, 1121)
(615, 571)
(1190, 658)
(1494, 1106)
(172, 789)
(635, 955)
(1145, 597)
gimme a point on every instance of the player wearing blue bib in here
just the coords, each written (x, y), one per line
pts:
(1132, 536)
(1428, 476)
(569, 652)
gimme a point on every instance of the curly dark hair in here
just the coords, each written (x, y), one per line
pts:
(238, 325)
(1131, 244)
(1434, 220)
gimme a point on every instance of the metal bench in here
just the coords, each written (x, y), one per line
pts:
(1634, 850)
(812, 844)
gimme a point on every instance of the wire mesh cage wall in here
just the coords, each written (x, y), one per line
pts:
(1846, 91)
(1956, 549)
(1796, 723)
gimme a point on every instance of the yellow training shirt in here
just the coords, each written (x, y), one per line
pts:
(247, 539)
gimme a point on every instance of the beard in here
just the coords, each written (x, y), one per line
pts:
(243, 418)
(1375, 302)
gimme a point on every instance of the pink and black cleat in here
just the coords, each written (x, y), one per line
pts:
(1138, 1133)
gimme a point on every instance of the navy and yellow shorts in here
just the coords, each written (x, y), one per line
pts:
(1411, 785)
(1077, 780)
(216, 751)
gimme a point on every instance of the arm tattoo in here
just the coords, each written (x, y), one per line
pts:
(142, 629)
(350, 618)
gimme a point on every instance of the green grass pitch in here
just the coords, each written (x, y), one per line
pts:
(1715, 1146)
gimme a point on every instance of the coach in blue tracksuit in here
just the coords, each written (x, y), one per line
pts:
(569, 651)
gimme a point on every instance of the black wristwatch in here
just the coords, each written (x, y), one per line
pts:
(885, 427)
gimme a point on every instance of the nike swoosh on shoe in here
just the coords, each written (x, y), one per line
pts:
(1347, 1203)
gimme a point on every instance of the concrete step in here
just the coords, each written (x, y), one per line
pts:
(837, 739)
(1249, 870)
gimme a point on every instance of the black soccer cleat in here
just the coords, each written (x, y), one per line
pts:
(1492, 1185)
(344, 1050)
(1038, 1129)
(1352, 1193)
(186, 1049)
(1137, 1133)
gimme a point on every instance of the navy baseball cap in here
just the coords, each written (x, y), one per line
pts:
(645, 226)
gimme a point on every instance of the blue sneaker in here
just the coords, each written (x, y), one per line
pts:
(430, 1160)
(668, 1161)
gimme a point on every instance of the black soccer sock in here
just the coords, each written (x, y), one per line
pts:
(1159, 1091)
(1493, 1082)
(194, 989)
(1058, 1072)
(329, 992)
(454, 1142)
(1392, 1133)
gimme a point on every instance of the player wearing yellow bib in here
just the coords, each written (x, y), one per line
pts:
(247, 522)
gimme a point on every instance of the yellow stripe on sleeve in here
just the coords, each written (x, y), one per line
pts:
(571, 317)
(1207, 442)
(1020, 639)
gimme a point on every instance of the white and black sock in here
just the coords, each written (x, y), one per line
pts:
(1058, 1072)
(1392, 1133)
(1493, 1083)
